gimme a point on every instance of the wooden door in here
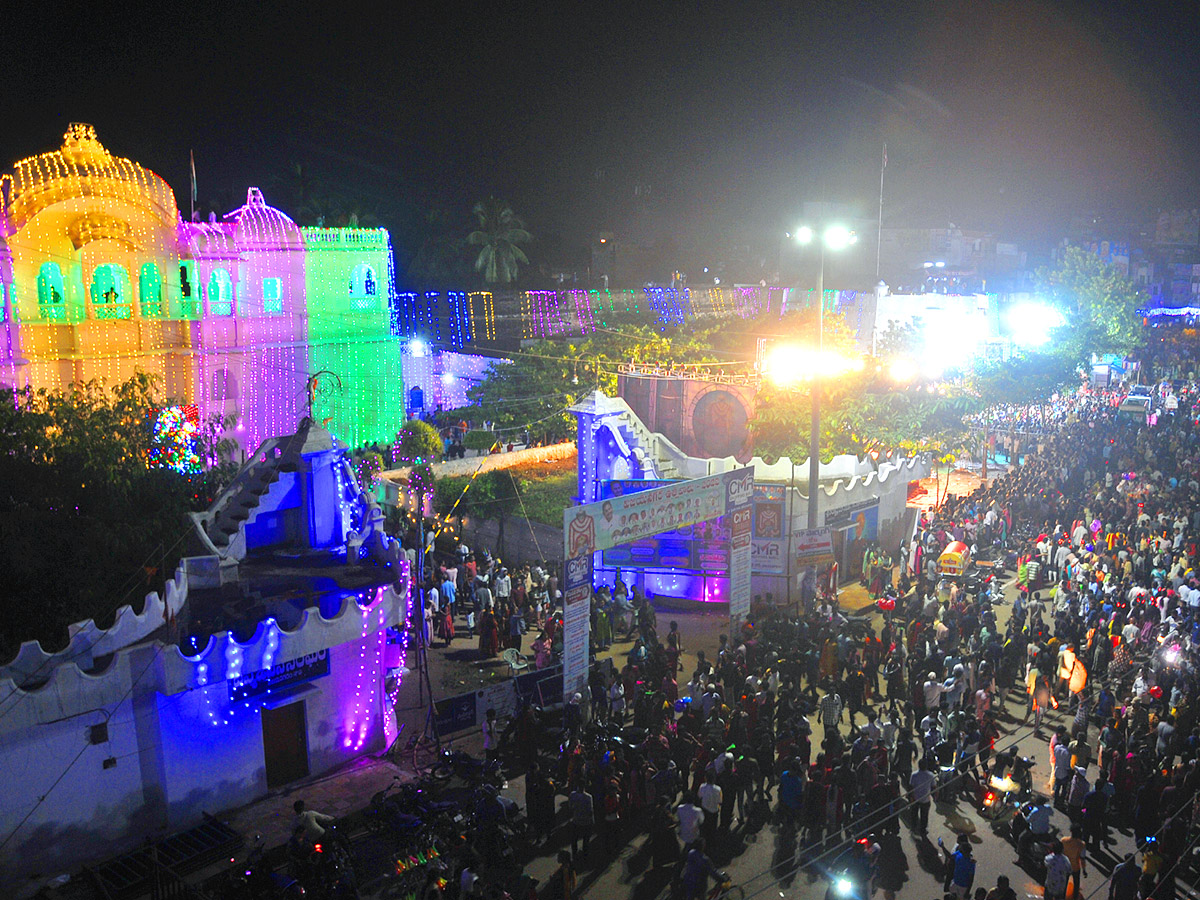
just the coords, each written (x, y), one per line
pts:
(285, 744)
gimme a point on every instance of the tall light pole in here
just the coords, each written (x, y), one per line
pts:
(835, 237)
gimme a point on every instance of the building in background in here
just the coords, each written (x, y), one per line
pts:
(100, 277)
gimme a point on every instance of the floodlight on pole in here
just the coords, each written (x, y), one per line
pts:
(835, 238)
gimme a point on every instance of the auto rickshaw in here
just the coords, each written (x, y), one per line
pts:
(955, 560)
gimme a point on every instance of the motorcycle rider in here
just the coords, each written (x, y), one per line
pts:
(1035, 819)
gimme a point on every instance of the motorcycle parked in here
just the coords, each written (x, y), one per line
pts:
(468, 768)
(253, 879)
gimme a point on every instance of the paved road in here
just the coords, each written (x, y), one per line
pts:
(765, 860)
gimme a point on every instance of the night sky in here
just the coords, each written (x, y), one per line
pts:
(692, 121)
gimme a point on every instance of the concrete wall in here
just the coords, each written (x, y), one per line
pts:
(176, 745)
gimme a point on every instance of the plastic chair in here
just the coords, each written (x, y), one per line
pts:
(516, 661)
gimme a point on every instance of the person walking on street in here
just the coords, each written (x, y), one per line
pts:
(921, 785)
(1058, 873)
(582, 821)
(1075, 850)
(691, 820)
(1002, 890)
(960, 868)
(1123, 883)
(831, 711)
(710, 802)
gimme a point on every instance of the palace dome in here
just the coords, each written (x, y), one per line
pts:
(261, 227)
(84, 168)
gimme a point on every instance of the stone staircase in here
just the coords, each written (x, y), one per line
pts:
(221, 523)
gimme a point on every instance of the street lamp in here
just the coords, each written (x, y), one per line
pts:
(833, 237)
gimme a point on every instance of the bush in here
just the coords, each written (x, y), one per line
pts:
(480, 440)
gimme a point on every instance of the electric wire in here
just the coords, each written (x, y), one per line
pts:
(107, 718)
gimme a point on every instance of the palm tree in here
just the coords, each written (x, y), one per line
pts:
(500, 231)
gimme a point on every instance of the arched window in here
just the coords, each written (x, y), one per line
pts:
(364, 286)
(150, 291)
(272, 295)
(220, 293)
(111, 295)
(52, 301)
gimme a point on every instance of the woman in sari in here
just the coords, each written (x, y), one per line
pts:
(489, 635)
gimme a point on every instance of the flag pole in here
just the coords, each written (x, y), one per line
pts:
(879, 228)
(192, 160)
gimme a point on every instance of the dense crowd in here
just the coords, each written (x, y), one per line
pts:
(841, 731)
(1100, 522)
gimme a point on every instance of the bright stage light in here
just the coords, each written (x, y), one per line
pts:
(1031, 323)
(902, 370)
(786, 365)
(835, 237)
(838, 237)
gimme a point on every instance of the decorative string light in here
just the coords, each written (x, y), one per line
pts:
(462, 330)
(370, 652)
(97, 238)
(583, 311)
(391, 725)
(489, 314)
(174, 442)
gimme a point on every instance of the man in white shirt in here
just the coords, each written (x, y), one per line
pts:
(933, 691)
(502, 586)
(710, 802)
(921, 784)
(691, 817)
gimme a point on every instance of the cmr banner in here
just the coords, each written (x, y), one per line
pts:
(606, 523)
(577, 612)
(812, 547)
(739, 494)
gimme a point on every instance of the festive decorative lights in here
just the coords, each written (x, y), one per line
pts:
(97, 246)
(174, 441)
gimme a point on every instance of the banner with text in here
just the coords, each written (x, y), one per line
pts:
(607, 523)
(577, 611)
(769, 555)
(812, 547)
(619, 520)
(739, 507)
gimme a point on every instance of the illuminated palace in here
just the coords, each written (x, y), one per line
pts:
(100, 277)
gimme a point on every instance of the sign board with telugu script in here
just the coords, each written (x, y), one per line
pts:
(283, 675)
(606, 523)
(812, 547)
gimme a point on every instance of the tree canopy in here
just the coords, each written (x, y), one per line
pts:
(498, 237)
(863, 415)
(1100, 306)
(417, 441)
(86, 523)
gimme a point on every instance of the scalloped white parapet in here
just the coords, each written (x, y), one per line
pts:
(69, 690)
(845, 474)
(88, 641)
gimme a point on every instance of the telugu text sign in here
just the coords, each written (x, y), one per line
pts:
(741, 516)
(577, 609)
(619, 520)
(812, 547)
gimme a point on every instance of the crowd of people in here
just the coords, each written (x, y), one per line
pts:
(1101, 523)
(840, 731)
